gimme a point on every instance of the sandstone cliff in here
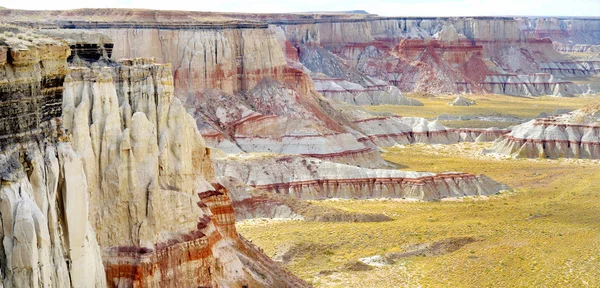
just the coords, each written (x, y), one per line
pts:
(155, 204)
(120, 190)
(47, 239)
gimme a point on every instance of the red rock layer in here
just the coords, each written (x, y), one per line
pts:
(189, 255)
(220, 205)
(454, 53)
(554, 137)
(291, 53)
(424, 188)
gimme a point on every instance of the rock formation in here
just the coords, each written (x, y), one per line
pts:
(532, 85)
(461, 101)
(353, 93)
(571, 135)
(46, 235)
(385, 131)
(309, 178)
(273, 118)
(107, 181)
(119, 191)
(441, 55)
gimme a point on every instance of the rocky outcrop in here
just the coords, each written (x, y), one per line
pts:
(531, 85)
(568, 34)
(86, 47)
(571, 135)
(461, 101)
(571, 69)
(309, 178)
(118, 191)
(46, 235)
(153, 207)
(386, 131)
(353, 93)
(32, 69)
(276, 119)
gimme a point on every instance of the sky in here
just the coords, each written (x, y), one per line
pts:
(381, 7)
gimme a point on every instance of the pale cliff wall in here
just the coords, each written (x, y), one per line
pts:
(159, 214)
(233, 52)
(226, 59)
(47, 240)
(107, 181)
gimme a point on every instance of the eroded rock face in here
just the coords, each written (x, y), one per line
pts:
(157, 216)
(532, 85)
(441, 55)
(572, 135)
(120, 190)
(309, 178)
(276, 119)
(47, 239)
(32, 69)
(568, 35)
(386, 131)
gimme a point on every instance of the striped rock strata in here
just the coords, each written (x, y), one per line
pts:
(47, 239)
(309, 178)
(273, 118)
(117, 192)
(572, 135)
(533, 85)
(385, 131)
(353, 93)
(166, 225)
(233, 52)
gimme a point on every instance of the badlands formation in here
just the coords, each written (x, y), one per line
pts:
(106, 181)
(572, 135)
(115, 169)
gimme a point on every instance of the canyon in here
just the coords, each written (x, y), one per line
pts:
(133, 139)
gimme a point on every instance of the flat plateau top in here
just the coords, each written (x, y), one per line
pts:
(122, 18)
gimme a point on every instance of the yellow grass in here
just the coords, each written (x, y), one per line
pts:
(546, 234)
(487, 105)
(477, 124)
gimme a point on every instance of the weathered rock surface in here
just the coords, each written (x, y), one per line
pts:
(385, 131)
(532, 85)
(342, 90)
(442, 55)
(153, 207)
(276, 119)
(47, 239)
(309, 178)
(120, 190)
(32, 69)
(572, 135)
